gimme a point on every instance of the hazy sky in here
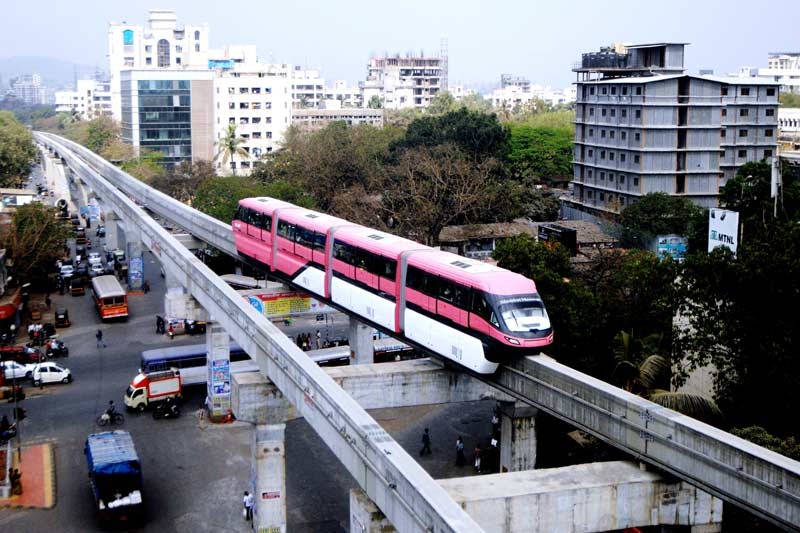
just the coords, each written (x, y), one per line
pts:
(540, 40)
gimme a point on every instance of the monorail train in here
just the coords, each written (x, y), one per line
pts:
(470, 312)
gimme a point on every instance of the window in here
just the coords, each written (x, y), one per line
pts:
(148, 48)
(611, 133)
(602, 154)
(723, 91)
(744, 91)
(602, 134)
(602, 197)
(613, 90)
(591, 111)
(602, 176)
(622, 158)
(724, 112)
(591, 90)
(625, 91)
(680, 184)
(611, 178)
(768, 133)
(591, 152)
(163, 53)
(590, 173)
(603, 111)
(742, 153)
(197, 36)
(637, 136)
(127, 37)
(636, 159)
(770, 92)
(605, 90)
(286, 230)
(177, 60)
(178, 49)
(148, 61)
(255, 90)
(767, 153)
(622, 179)
(742, 133)
(591, 132)
(638, 91)
(244, 90)
(590, 194)
(613, 112)
(770, 112)
(623, 135)
(481, 307)
(610, 156)
(638, 113)
(744, 112)
(231, 105)
(255, 120)
(635, 182)
(197, 48)
(304, 236)
(722, 134)
(624, 113)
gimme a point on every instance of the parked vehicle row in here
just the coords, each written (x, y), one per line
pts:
(39, 373)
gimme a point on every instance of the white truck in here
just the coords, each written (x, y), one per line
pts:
(149, 388)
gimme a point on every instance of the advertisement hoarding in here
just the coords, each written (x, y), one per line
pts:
(723, 229)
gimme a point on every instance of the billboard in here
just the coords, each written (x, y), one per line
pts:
(285, 303)
(568, 237)
(723, 229)
(673, 246)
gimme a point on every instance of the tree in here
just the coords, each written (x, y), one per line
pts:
(17, 150)
(33, 240)
(219, 197)
(476, 102)
(182, 181)
(100, 133)
(375, 102)
(789, 99)
(229, 147)
(661, 214)
(442, 103)
(117, 152)
(539, 154)
(146, 168)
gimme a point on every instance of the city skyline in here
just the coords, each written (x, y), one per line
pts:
(339, 39)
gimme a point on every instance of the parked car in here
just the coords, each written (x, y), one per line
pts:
(21, 354)
(15, 370)
(97, 269)
(94, 257)
(62, 318)
(50, 373)
(67, 271)
(82, 270)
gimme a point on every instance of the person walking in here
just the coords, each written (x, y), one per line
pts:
(248, 502)
(319, 340)
(99, 337)
(47, 301)
(426, 443)
(460, 459)
(477, 455)
(171, 331)
(146, 286)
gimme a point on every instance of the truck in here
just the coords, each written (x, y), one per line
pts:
(115, 475)
(151, 387)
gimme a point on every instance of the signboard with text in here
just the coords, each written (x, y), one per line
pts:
(673, 246)
(723, 229)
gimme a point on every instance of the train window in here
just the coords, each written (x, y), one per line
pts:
(285, 229)
(481, 307)
(343, 252)
(304, 236)
(240, 213)
(462, 296)
(319, 241)
(254, 219)
(266, 222)
(415, 279)
(447, 290)
(385, 267)
(363, 259)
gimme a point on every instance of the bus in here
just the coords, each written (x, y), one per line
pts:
(109, 297)
(190, 360)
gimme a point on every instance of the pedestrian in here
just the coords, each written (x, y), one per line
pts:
(426, 443)
(171, 331)
(460, 459)
(305, 342)
(247, 501)
(47, 301)
(146, 286)
(99, 337)
(16, 481)
(319, 340)
(477, 455)
(159, 324)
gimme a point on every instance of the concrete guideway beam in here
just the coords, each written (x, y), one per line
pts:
(762, 481)
(408, 496)
(583, 499)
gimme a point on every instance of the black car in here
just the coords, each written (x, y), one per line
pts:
(80, 249)
(82, 270)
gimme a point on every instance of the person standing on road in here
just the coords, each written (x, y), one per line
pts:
(460, 459)
(99, 337)
(319, 340)
(248, 506)
(47, 301)
(426, 443)
(171, 331)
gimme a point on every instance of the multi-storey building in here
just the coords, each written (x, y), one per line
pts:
(169, 111)
(28, 89)
(91, 99)
(162, 44)
(316, 119)
(404, 82)
(783, 68)
(509, 80)
(642, 126)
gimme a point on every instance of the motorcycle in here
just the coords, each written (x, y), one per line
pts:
(56, 348)
(106, 419)
(167, 409)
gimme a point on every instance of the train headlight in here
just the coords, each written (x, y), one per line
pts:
(512, 340)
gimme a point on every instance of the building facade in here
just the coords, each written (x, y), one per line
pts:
(641, 126)
(170, 112)
(91, 99)
(161, 44)
(316, 119)
(404, 82)
(28, 89)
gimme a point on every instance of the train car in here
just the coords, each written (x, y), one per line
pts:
(469, 312)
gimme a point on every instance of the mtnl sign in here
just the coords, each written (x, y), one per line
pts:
(723, 229)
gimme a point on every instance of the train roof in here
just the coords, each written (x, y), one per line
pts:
(378, 241)
(312, 219)
(474, 273)
(264, 203)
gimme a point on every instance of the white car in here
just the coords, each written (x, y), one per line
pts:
(50, 373)
(67, 271)
(12, 369)
(94, 258)
(96, 269)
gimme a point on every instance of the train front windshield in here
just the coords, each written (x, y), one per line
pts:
(523, 314)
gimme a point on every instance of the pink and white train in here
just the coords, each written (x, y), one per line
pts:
(466, 311)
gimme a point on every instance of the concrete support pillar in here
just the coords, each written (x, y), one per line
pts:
(362, 351)
(517, 437)
(218, 359)
(269, 485)
(178, 303)
(135, 263)
(112, 236)
(365, 517)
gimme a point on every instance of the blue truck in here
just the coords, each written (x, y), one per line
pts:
(115, 474)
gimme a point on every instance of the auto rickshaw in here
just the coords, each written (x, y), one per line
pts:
(62, 318)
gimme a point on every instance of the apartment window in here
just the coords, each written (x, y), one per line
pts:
(724, 112)
(602, 154)
(722, 133)
(603, 111)
(591, 111)
(148, 61)
(256, 135)
(622, 179)
(742, 153)
(231, 105)
(624, 113)
(590, 173)
(768, 133)
(623, 135)
(591, 132)
(197, 48)
(638, 113)
(244, 105)
(638, 91)
(591, 153)
(625, 91)
(589, 194)
(744, 91)
(636, 159)
(178, 49)
(148, 48)
(231, 120)
(767, 153)
(723, 91)
(635, 182)
(267, 90)
(680, 184)
(602, 176)
(256, 120)
(744, 112)
(622, 158)
(613, 90)
(269, 136)
(256, 105)
(197, 36)
(611, 178)
(602, 134)
(268, 105)
(244, 120)
(742, 133)
(244, 90)
(163, 53)
(722, 154)
(770, 112)
(256, 90)
(602, 196)
(610, 156)
(177, 60)
(611, 133)
(605, 90)
(621, 200)
(231, 90)
(591, 90)
(637, 136)
(613, 112)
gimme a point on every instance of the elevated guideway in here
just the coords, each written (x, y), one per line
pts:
(738, 471)
(409, 497)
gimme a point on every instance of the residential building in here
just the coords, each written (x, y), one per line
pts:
(28, 89)
(789, 120)
(458, 92)
(316, 119)
(308, 88)
(346, 95)
(404, 82)
(161, 44)
(169, 111)
(509, 80)
(783, 68)
(257, 99)
(642, 126)
(90, 99)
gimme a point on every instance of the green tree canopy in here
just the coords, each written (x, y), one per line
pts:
(33, 240)
(229, 147)
(442, 103)
(539, 154)
(17, 150)
(146, 168)
(661, 214)
(219, 197)
(182, 181)
(101, 132)
(375, 102)
(789, 99)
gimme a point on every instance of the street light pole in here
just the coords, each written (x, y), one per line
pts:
(18, 418)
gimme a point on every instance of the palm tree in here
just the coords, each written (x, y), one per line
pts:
(649, 376)
(229, 146)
